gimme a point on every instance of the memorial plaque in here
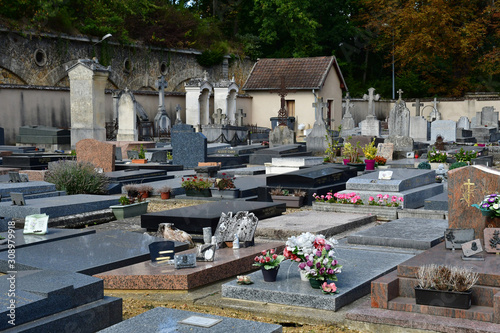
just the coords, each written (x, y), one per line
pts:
(471, 248)
(185, 260)
(200, 321)
(36, 224)
(385, 175)
(385, 150)
(162, 251)
(454, 238)
(492, 240)
(206, 252)
(14, 177)
(17, 199)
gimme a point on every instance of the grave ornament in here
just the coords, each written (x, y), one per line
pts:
(36, 224)
(162, 252)
(17, 199)
(242, 224)
(168, 231)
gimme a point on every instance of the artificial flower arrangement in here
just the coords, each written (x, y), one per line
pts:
(466, 156)
(437, 156)
(225, 183)
(370, 150)
(341, 198)
(297, 247)
(321, 265)
(490, 206)
(385, 200)
(268, 259)
(195, 183)
(379, 160)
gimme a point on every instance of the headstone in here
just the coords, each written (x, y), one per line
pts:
(385, 150)
(370, 98)
(418, 128)
(100, 154)
(434, 114)
(87, 83)
(316, 141)
(488, 116)
(240, 116)
(467, 186)
(188, 147)
(127, 119)
(242, 224)
(417, 106)
(371, 126)
(447, 129)
(399, 118)
(218, 117)
(118, 154)
(280, 136)
(463, 122)
(401, 143)
(347, 121)
(162, 122)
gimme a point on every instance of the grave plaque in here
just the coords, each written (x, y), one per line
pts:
(185, 260)
(242, 223)
(385, 150)
(492, 240)
(17, 199)
(162, 251)
(471, 248)
(36, 224)
(200, 321)
(206, 252)
(454, 238)
(14, 177)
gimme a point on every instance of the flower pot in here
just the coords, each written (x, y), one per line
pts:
(199, 193)
(231, 193)
(229, 244)
(124, 211)
(140, 161)
(144, 195)
(303, 276)
(290, 200)
(270, 274)
(346, 160)
(443, 298)
(359, 166)
(165, 195)
(370, 164)
(315, 284)
(487, 212)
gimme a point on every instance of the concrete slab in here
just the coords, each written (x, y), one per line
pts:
(161, 320)
(326, 223)
(89, 254)
(412, 233)
(53, 234)
(360, 267)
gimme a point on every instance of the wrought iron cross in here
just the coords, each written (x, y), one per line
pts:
(283, 112)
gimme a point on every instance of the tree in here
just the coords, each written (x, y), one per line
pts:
(448, 44)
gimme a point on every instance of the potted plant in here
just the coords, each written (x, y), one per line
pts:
(370, 151)
(269, 263)
(196, 186)
(490, 206)
(144, 190)
(321, 266)
(353, 153)
(132, 190)
(293, 199)
(224, 188)
(347, 152)
(380, 162)
(129, 207)
(445, 286)
(436, 157)
(142, 156)
(165, 192)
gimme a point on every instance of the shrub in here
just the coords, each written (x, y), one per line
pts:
(457, 165)
(424, 165)
(76, 178)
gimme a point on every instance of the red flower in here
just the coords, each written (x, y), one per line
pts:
(264, 252)
(262, 261)
(275, 256)
(268, 259)
(256, 259)
(271, 251)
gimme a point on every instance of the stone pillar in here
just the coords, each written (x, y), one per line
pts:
(87, 83)
(192, 105)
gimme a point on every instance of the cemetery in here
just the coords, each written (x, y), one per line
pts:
(377, 224)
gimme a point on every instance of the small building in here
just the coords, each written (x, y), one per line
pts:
(303, 78)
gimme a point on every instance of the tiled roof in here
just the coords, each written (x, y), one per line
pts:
(299, 73)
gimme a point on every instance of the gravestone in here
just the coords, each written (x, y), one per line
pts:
(371, 126)
(188, 147)
(447, 129)
(50, 138)
(100, 154)
(385, 150)
(162, 122)
(402, 144)
(316, 141)
(118, 154)
(463, 122)
(240, 116)
(280, 136)
(218, 117)
(347, 121)
(467, 186)
(243, 224)
(399, 118)
(127, 126)
(418, 128)
(488, 116)
(87, 83)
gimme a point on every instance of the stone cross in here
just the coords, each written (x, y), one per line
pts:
(400, 93)
(178, 119)
(347, 105)
(417, 106)
(239, 117)
(435, 103)
(435, 114)
(370, 98)
(161, 84)
(218, 117)
(318, 109)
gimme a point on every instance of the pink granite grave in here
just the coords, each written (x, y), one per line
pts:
(100, 154)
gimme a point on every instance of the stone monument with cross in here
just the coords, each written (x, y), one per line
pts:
(399, 118)
(435, 114)
(162, 122)
(240, 115)
(225, 92)
(316, 140)
(371, 125)
(178, 119)
(347, 122)
(218, 117)
(419, 127)
(281, 134)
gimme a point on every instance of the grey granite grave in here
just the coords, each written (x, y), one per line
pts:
(29, 189)
(414, 233)
(137, 176)
(89, 254)
(414, 185)
(447, 129)
(161, 320)
(188, 147)
(62, 206)
(360, 267)
(266, 155)
(52, 234)
(437, 202)
(248, 171)
(55, 301)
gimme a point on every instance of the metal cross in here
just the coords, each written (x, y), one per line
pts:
(468, 192)
(283, 112)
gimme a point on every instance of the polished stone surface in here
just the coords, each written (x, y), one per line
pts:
(160, 320)
(437, 202)
(89, 254)
(146, 275)
(359, 268)
(420, 234)
(26, 188)
(401, 180)
(53, 234)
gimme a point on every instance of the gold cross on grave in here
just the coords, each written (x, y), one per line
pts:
(467, 192)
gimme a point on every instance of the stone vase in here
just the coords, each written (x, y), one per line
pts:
(124, 211)
(303, 276)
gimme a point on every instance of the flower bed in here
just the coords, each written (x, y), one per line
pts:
(383, 213)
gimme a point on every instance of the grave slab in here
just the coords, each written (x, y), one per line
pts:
(148, 276)
(420, 234)
(160, 319)
(34, 187)
(194, 218)
(62, 206)
(248, 171)
(102, 252)
(437, 202)
(313, 177)
(53, 234)
(266, 155)
(325, 223)
(401, 180)
(359, 268)
(32, 161)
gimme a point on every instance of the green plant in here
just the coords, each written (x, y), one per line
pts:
(437, 156)
(370, 150)
(195, 183)
(77, 177)
(457, 165)
(379, 160)
(424, 165)
(332, 149)
(465, 156)
(169, 156)
(225, 183)
(141, 152)
(124, 200)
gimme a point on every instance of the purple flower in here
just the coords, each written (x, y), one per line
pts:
(322, 270)
(318, 265)
(334, 262)
(302, 265)
(309, 263)
(485, 205)
(493, 195)
(328, 247)
(330, 271)
(318, 253)
(491, 200)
